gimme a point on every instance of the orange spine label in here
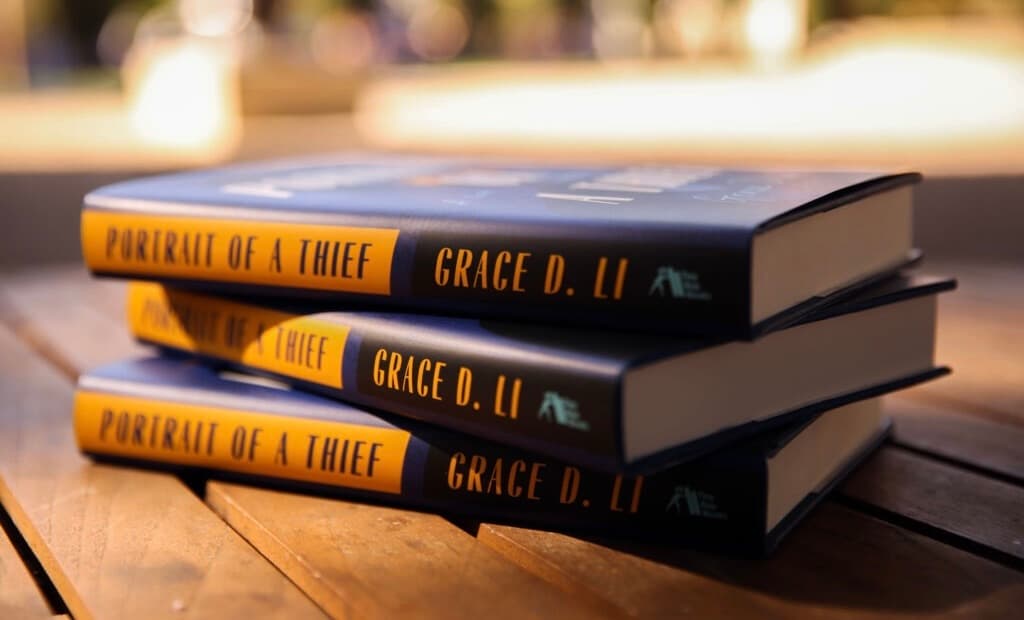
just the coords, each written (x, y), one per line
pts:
(308, 450)
(312, 256)
(303, 347)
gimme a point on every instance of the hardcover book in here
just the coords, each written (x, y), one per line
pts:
(167, 412)
(612, 400)
(701, 251)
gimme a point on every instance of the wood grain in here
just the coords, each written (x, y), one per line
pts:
(986, 511)
(19, 596)
(838, 563)
(969, 439)
(75, 322)
(353, 560)
(361, 560)
(116, 542)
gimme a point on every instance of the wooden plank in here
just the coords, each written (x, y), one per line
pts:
(76, 323)
(981, 336)
(999, 284)
(838, 563)
(982, 510)
(19, 596)
(706, 577)
(968, 439)
(333, 550)
(358, 560)
(118, 542)
(67, 280)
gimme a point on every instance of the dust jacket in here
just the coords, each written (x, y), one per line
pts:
(682, 249)
(175, 414)
(615, 401)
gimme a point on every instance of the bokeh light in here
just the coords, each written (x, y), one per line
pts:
(775, 29)
(342, 42)
(217, 18)
(181, 95)
(437, 30)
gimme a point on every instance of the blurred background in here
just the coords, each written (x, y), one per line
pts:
(92, 91)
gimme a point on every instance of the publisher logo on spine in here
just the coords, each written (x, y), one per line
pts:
(694, 503)
(561, 410)
(678, 284)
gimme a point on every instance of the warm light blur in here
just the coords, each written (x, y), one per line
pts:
(674, 80)
(688, 26)
(620, 29)
(214, 18)
(342, 42)
(774, 30)
(182, 95)
(891, 96)
(437, 30)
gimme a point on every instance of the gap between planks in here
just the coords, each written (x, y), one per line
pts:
(117, 542)
(349, 558)
(838, 563)
(965, 440)
(397, 562)
(980, 514)
(20, 595)
(559, 575)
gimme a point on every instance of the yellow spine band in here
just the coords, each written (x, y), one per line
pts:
(303, 347)
(311, 256)
(261, 444)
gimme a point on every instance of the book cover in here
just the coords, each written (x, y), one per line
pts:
(671, 249)
(614, 401)
(173, 413)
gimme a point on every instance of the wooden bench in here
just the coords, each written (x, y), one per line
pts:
(931, 525)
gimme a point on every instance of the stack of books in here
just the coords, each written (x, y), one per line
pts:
(692, 355)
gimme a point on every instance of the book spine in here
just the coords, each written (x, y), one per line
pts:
(543, 403)
(625, 277)
(277, 254)
(628, 278)
(699, 503)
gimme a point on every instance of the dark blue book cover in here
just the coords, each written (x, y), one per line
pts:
(667, 248)
(171, 413)
(616, 401)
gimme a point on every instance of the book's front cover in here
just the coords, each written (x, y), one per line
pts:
(433, 189)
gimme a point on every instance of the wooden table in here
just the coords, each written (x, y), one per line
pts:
(933, 524)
